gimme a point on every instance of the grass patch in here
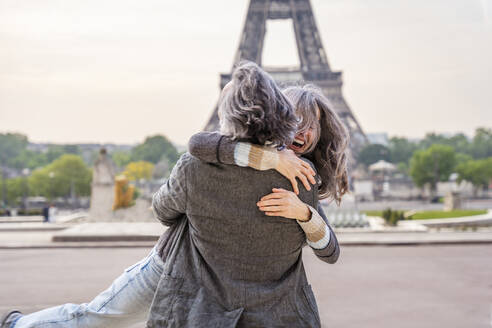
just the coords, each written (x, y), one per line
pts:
(446, 215)
(373, 213)
(425, 215)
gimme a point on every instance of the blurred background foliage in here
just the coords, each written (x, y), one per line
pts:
(435, 157)
(63, 170)
(54, 171)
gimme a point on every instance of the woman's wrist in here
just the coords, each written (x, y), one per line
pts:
(305, 214)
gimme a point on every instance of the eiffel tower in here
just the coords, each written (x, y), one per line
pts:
(314, 67)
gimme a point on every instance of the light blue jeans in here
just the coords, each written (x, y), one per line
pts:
(126, 302)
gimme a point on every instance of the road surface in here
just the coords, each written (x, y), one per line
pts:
(411, 286)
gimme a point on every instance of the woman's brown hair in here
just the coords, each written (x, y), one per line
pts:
(329, 154)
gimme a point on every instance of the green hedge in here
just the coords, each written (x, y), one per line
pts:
(29, 212)
(392, 217)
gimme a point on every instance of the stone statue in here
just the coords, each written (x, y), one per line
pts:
(112, 196)
(103, 169)
(102, 194)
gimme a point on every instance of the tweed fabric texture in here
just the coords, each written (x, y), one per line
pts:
(228, 264)
(212, 146)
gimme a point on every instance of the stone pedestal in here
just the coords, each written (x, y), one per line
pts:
(452, 201)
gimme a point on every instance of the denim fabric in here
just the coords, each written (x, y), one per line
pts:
(126, 302)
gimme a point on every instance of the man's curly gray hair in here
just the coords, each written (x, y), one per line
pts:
(253, 108)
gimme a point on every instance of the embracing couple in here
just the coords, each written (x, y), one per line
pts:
(232, 254)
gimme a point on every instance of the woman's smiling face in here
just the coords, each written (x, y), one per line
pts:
(308, 132)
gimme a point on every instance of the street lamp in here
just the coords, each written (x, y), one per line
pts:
(72, 193)
(25, 173)
(51, 175)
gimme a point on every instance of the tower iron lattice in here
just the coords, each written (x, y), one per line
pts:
(314, 67)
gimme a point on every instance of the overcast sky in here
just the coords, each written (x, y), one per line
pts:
(119, 70)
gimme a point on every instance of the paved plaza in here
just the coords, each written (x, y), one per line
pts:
(377, 286)
(423, 205)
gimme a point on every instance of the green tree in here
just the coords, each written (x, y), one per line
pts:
(29, 159)
(432, 165)
(16, 188)
(154, 149)
(121, 158)
(54, 152)
(478, 172)
(432, 139)
(481, 146)
(58, 178)
(462, 158)
(40, 183)
(460, 143)
(11, 144)
(402, 167)
(401, 149)
(372, 153)
(139, 170)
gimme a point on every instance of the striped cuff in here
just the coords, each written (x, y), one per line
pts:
(257, 157)
(316, 229)
(241, 153)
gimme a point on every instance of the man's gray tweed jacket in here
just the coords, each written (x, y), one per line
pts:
(226, 263)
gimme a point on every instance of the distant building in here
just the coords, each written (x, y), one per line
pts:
(92, 147)
(88, 151)
(378, 138)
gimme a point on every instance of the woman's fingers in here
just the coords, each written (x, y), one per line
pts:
(272, 196)
(277, 193)
(276, 208)
(307, 166)
(283, 203)
(293, 181)
(281, 213)
(304, 181)
(309, 176)
(308, 171)
(271, 202)
(303, 174)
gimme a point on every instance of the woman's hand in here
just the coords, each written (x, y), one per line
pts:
(284, 203)
(292, 167)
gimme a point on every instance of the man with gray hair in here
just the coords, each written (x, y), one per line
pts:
(226, 263)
